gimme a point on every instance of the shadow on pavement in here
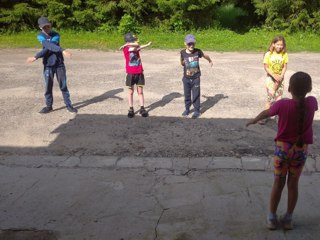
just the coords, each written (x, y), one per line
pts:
(97, 99)
(117, 135)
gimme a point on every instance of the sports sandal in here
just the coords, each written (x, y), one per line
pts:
(143, 112)
(131, 113)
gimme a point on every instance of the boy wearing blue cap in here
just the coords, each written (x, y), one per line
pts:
(53, 62)
(191, 75)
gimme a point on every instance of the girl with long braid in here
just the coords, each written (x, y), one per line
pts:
(291, 144)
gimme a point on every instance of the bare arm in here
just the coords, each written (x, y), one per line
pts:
(208, 59)
(284, 69)
(264, 114)
(146, 45)
(132, 45)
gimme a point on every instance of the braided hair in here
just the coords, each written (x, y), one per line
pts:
(299, 85)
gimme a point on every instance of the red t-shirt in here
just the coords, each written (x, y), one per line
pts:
(133, 61)
(288, 122)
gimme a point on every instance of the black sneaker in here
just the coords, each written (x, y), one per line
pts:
(143, 112)
(131, 113)
(186, 113)
(46, 110)
(72, 109)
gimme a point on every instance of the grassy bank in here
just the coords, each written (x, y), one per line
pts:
(213, 40)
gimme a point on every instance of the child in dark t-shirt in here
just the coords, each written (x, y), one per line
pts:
(191, 75)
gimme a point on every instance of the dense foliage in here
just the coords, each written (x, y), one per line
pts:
(167, 15)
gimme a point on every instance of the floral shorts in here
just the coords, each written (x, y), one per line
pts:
(272, 90)
(289, 159)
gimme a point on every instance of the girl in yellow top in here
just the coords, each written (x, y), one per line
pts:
(275, 64)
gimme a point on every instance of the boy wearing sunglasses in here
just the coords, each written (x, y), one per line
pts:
(191, 75)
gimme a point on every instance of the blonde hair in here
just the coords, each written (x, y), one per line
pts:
(275, 40)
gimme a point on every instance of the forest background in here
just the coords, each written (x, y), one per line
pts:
(220, 25)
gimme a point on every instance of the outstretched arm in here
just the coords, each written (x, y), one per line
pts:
(131, 45)
(38, 55)
(264, 114)
(208, 59)
(146, 45)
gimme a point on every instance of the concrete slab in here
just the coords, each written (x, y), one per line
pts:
(130, 162)
(253, 163)
(72, 161)
(32, 160)
(181, 164)
(157, 163)
(98, 161)
(134, 203)
(200, 163)
(225, 163)
(310, 165)
(318, 164)
(269, 163)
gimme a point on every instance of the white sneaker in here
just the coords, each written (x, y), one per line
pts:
(272, 223)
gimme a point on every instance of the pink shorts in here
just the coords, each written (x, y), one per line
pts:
(289, 159)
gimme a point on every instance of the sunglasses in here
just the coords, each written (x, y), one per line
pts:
(190, 44)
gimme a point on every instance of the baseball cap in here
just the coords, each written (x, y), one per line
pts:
(43, 21)
(189, 39)
(128, 37)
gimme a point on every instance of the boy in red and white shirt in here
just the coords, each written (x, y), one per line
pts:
(134, 72)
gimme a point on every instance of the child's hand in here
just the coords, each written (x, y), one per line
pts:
(31, 59)
(149, 43)
(67, 54)
(278, 78)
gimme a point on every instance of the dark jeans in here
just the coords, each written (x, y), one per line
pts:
(60, 73)
(191, 88)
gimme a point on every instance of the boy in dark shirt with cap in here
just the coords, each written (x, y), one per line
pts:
(53, 61)
(189, 58)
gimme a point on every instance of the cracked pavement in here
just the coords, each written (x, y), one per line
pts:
(98, 175)
(125, 198)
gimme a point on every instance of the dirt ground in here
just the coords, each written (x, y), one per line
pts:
(232, 92)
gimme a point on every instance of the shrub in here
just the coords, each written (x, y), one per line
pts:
(128, 24)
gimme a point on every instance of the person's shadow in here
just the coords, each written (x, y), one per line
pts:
(211, 101)
(97, 99)
(164, 101)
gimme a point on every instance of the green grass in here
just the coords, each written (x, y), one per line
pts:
(213, 40)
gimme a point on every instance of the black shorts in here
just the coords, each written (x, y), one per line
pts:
(135, 79)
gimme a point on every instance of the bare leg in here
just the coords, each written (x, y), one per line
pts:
(292, 185)
(141, 97)
(275, 197)
(130, 96)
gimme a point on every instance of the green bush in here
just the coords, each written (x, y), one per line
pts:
(168, 15)
(228, 16)
(21, 17)
(128, 24)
